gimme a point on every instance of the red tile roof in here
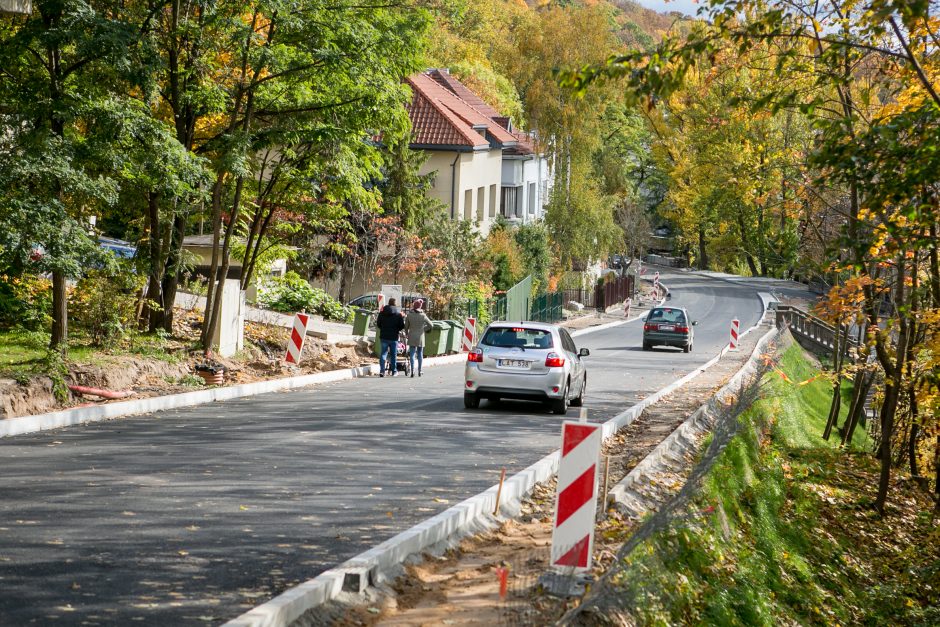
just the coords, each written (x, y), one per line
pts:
(441, 117)
(463, 92)
(528, 144)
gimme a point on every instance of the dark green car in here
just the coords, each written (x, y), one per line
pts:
(668, 326)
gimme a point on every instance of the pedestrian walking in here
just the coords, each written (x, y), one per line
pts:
(417, 324)
(390, 322)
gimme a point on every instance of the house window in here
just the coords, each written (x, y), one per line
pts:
(468, 204)
(512, 202)
(481, 203)
(531, 199)
(492, 201)
(508, 205)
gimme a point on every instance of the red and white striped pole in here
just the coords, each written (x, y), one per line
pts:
(576, 502)
(297, 337)
(735, 325)
(469, 334)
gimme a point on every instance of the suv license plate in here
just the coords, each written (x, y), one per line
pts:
(513, 363)
(667, 327)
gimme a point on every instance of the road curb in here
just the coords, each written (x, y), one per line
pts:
(372, 565)
(80, 415)
(683, 437)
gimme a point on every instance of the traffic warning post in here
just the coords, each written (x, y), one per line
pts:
(735, 326)
(469, 335)
(576, 500)
(295, 345)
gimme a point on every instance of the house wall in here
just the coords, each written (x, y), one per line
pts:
(475, 171)
(532, 179)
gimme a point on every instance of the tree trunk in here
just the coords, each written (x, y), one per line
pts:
(702, 252)
(934, 265)
(171, 275)
(214, 264)
(915, 430)
(154, 303)
(60, 313)
(888, 411)
(836, 403)
(216, 311)
(860, 389)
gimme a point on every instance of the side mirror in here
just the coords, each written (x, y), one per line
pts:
(583, 352)
(694, 322)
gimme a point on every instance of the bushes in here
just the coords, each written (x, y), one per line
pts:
(25, 301)
(291, 293)
(105, 304)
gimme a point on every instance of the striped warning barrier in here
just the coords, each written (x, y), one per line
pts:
(576, 501)
(735, 325)
(297, 336)
(469, 334)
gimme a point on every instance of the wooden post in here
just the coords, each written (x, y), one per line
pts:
(499, 491)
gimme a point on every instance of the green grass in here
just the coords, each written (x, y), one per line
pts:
(782, 531)
(21, 352)
(24, 353)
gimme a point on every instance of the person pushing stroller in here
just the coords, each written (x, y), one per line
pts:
(417, 324)
(390, 323)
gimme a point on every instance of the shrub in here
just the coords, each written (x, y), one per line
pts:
(105, 304)
(25, 301)
(291, 293)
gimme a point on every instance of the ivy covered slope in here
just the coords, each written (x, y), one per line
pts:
(802, 543)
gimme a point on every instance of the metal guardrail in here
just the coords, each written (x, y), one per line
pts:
(816, 330)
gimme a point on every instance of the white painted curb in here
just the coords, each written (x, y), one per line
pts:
(80, 415)
(284, 609)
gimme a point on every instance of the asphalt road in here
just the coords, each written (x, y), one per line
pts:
(193, 516)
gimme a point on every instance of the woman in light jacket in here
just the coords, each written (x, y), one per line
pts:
(417, 324)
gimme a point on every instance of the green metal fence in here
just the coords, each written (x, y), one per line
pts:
(516, 304)
(547, 307)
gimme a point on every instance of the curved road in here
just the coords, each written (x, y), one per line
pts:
(194, 516)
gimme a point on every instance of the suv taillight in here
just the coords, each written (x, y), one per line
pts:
(476, 356)
(682, 329)
(554, 360)
(650, 327)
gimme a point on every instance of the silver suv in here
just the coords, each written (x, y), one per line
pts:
(529, 361)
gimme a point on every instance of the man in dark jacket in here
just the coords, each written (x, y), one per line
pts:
(390, 323)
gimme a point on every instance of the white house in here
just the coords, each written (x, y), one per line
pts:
(527, 181)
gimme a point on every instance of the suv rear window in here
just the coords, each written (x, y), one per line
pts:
(509, 337)
(666, 315)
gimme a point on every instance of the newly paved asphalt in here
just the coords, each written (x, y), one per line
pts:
(193, 516)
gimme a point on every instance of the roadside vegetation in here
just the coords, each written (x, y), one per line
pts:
(783, 530)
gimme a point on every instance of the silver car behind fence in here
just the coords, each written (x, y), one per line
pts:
(529, 361)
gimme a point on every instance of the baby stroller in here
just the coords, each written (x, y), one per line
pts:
(401, 354)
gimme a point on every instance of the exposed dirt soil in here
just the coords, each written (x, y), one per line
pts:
(462, 587)
(151, 367)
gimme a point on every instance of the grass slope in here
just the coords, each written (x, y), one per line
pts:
(783, 531)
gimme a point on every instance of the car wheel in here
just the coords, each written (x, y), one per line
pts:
(471, 400)
(560, 406)
(578, 402)
(687, 348)
(646, 346)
